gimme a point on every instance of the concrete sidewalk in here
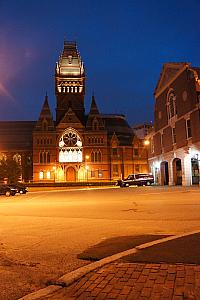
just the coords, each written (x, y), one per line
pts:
(137, 281)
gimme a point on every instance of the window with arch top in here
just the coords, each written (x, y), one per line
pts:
(171, 104)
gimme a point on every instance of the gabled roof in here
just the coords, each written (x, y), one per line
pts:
(45, 115)
(70, 117)
(93, 108)
(94, 114)
(168, 74)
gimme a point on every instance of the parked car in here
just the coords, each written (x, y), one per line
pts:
(136, 179)
(20, 187)
(7, 190)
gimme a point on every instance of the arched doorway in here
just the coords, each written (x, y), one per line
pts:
(195, 170)
(177, 171)
(71, 174)
(164, 173)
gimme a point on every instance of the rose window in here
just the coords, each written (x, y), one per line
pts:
(70, 146)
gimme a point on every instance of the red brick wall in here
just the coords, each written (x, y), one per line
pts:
(157, 144)
(167, 139)
(181, 137)
(195, 123)
(185, 83)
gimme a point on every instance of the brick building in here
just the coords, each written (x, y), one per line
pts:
(76, 146)
(174, 151)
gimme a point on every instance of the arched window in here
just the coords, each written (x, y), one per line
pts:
(17, 157)
(92, 157)
(48, 157)
(96, 156)
(41, 158)
(171, 104)
(99, 156)
(3, 156)
(41, 175)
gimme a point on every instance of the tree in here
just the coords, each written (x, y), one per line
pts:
(10, 169)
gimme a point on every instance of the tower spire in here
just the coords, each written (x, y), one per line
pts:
(70, 82)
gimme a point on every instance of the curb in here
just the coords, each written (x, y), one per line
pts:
(69, 278)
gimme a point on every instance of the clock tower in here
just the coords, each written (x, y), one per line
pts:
(69, 83)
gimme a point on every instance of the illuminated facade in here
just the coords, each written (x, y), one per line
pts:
(76, 146)
(175, 144)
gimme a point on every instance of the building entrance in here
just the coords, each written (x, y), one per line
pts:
(177, 171)
(195, 170)
(71, 174)
(164, 173)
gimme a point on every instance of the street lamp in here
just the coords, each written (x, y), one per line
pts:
(146, 142)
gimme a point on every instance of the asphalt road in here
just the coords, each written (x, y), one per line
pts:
(42, 233)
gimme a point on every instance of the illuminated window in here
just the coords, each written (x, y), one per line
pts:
(70, 146)
(48, 175)
(100, 173)
(17, 157)
(41, 175)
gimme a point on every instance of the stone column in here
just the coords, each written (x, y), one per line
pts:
(171, 172)
(186, 170)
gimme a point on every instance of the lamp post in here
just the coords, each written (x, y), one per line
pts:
(146, 144)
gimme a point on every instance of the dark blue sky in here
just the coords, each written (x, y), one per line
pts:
(123, 45)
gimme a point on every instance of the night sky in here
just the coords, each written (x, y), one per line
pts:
(123, 45)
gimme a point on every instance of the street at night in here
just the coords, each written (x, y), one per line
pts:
(43, 232)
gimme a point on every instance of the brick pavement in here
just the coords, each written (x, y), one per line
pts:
(136, 281)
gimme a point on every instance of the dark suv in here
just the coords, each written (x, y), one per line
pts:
(136, 179)
(7, 190)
